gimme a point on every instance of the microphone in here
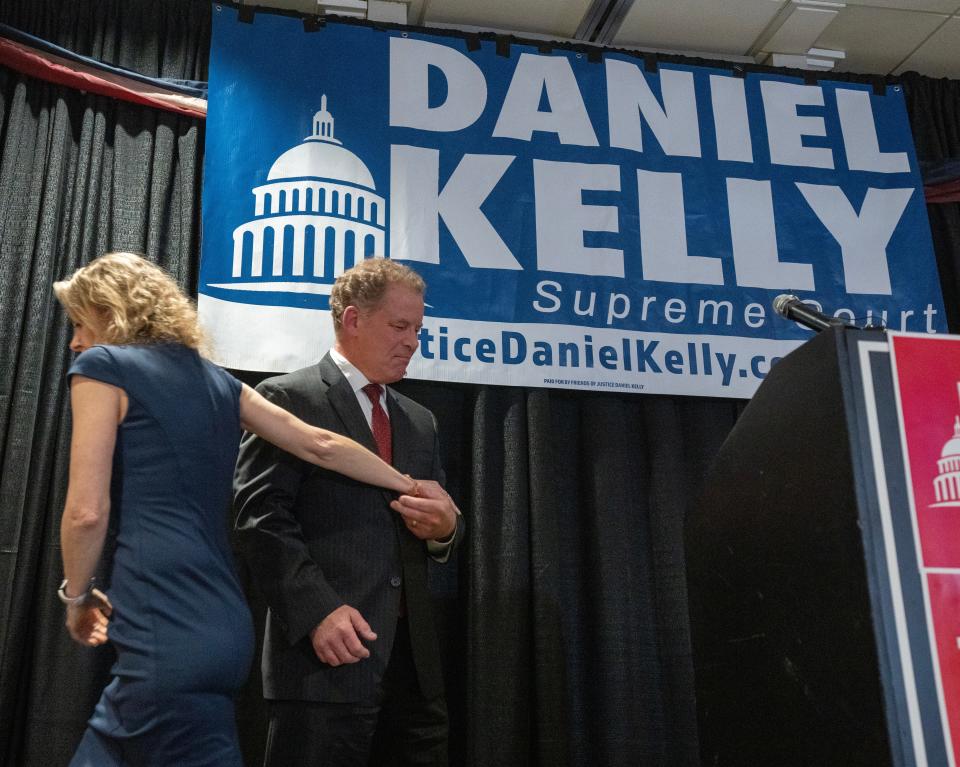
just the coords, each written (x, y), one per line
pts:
(793, 308)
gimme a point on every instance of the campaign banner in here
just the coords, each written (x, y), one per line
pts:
(585, 222)
(927, 384)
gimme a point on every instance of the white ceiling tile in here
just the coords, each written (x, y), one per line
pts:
(937, 57)
(710, 26)
(937, 6)
(546, 17)
(876, 40)
(878, 36)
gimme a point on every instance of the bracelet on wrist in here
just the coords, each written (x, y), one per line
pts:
(67, 600)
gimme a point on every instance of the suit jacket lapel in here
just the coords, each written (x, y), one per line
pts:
(401, 429)
(342, 399)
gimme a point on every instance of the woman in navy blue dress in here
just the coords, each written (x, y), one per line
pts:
(156, 430)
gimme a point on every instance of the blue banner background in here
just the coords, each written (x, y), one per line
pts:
(266, 83)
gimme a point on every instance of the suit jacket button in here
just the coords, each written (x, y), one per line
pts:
(395, 581)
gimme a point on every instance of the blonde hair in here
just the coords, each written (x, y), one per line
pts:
(363, 286)
(130, 300)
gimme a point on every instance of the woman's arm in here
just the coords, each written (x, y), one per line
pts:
(97, 408)
(310, 443)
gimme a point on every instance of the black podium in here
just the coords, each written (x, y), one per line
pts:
(794, 622)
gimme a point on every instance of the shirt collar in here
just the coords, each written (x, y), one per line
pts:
(351, 372)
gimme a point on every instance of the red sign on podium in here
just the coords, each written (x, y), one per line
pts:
(927, 382)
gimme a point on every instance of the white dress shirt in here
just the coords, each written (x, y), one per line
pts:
(357, 381)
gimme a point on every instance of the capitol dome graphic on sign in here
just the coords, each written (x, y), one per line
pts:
(269, 267)
(317, 215)
(946, 485)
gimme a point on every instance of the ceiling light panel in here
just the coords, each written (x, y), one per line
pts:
(801, 29)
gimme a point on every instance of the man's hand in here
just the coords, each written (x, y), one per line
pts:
(87, 621)
(336, 639)
(431, 515)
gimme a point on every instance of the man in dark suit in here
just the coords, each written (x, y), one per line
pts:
(350, 657)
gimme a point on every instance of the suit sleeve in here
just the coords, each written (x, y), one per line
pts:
(266, 484)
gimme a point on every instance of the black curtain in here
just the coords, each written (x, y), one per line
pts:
(934, 108)
(564, 614)
(80, 174)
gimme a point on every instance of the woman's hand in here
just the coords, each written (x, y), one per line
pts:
(87, 620)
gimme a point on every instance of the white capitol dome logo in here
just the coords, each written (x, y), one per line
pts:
(317, 215)
(946, 485)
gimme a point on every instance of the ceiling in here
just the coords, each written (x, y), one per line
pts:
(885, 37)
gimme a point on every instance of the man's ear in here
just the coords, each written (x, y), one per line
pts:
(350, 320)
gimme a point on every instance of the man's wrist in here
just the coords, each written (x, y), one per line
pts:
(448, 538)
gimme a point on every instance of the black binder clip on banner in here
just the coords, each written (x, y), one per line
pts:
(314, 22)
(245, 13)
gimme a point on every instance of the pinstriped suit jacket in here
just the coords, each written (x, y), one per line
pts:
(316, 540)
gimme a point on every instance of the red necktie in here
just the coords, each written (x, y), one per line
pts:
(381, 424)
